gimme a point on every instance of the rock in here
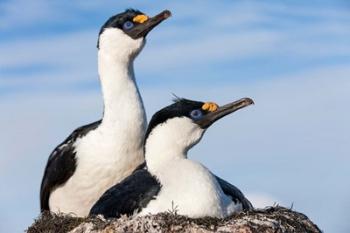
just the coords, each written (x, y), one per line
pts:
(271, 219)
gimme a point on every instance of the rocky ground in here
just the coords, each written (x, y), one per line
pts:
(272, 219)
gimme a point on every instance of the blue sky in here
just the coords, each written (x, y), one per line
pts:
(292, 58)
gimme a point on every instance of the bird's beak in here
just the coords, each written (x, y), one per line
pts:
(208, 119)
(142, 29)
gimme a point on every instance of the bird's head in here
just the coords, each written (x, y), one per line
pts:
(181, 125)
(124, 34)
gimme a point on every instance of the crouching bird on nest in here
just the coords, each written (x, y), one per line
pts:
(169, 177)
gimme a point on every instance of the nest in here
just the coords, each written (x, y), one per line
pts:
(271, 219)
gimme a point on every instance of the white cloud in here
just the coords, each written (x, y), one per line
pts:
(203, 50)
(69, 49)
(19, 13)
(177, 46)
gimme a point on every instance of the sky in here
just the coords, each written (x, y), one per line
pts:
(292, 57)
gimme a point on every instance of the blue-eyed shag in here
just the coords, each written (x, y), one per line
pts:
(96, 156)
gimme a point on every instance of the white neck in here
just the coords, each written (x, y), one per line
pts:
(159, 158)
(171, 141)
(123, 105)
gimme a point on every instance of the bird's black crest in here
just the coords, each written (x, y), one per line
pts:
(176, 98)
(180, 107)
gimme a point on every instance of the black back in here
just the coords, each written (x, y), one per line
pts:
(61, 164)
(129, 196)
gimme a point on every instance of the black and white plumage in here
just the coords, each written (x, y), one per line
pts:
(96, 156)
(134, 193)
(169, 178)
(61, 164)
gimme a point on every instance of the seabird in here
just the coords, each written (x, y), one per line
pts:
(96, 156)
(170, 178)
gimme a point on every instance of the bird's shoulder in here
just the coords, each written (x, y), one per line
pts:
(236, 195)
(69, 141)
(61, 163)
(129, 196)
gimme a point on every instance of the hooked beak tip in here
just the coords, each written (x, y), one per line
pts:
(166, 14)
(249, 101)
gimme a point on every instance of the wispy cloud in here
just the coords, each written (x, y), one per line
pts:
(18, 13)
(252, 34)
(70, 49)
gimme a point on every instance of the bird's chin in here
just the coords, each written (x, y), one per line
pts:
(116, 43)
(138, 47)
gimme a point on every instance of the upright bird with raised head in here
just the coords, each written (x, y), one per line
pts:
(170, 178)
(96, 156)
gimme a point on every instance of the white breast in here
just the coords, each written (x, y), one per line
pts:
(192, 190)
(101, 163)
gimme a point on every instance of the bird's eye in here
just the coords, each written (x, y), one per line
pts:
(128, 25)
(196, 114)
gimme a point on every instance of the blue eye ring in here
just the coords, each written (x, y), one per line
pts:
(196, 114)
(128, 25)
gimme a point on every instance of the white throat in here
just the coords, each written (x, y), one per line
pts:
(123, 105)
(171, 141)
(120, 92)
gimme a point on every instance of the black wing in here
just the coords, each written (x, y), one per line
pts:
(234, 193)
(61, 164)
(129, 196)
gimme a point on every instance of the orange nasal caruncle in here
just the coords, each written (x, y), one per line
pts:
(140, 18)
(210, 106)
